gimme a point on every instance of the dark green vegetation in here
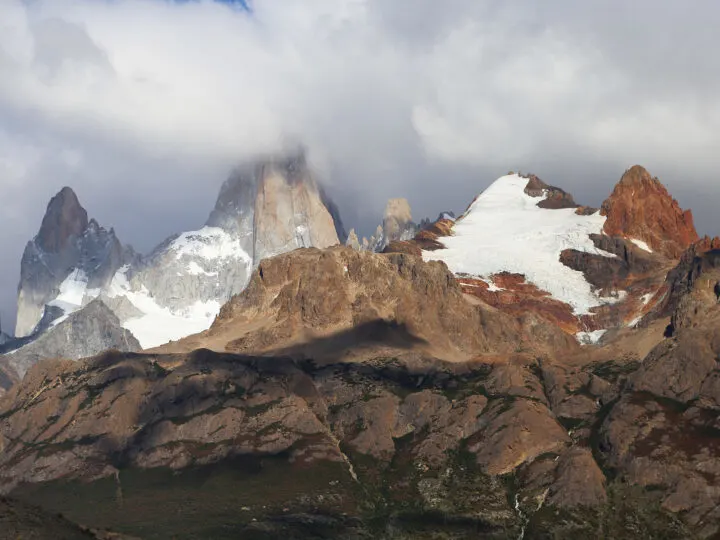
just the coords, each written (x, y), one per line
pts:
(237, 497)
(631, 512)
(19, 521)
(271, 499)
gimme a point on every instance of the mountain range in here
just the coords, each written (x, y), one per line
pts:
(532, 368)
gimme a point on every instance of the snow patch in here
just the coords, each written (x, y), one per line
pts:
(590, 338)
(159, 325)
(642, 245)
(209, 243)
(194, 269)
(505, 230)
(492, 287)
(72, 291)
(73, 294)
(646, 298)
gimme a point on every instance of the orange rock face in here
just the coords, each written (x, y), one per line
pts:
(640, 207)
(706, 244)
(516, 296)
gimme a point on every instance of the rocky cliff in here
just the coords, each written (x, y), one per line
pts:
(84, 333)
(641, 208)
(426, 392)
(397, 226)
(69, 258)
(265, 208)
(275, 205)
(335, 302)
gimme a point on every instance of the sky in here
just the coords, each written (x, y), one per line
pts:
(144, 106)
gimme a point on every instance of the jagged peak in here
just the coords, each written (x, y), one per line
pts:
(640, 207)
(259, 181)
(398, 208)
(238, 192)
(637, 175)
(64, 218)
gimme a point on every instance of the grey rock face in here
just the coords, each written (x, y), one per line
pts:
(67, 243)
(8, 377)
(397, 226)
(398, 223)
(209, 265)
(352, 240)
(234, 210)
(84, 333)
(285, 188)
(264, 208)
(289, 210)
(335, 214)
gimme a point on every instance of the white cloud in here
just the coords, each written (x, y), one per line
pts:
(210, 82)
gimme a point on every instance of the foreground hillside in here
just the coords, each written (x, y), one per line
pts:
(359, 395)
(22, 521)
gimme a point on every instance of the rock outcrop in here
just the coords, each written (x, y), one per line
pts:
(462, 439)
(265, 208)
(84, 333)
(551, 197)
(641, 208)
(663, 431)
(354, 394)
(370, 385)
(337, 301)
(397, 226)
(8, 377)
(275, 205)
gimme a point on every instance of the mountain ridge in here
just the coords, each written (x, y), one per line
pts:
(265, 207)
(614, 261)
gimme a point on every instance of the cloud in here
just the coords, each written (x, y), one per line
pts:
(144, 105)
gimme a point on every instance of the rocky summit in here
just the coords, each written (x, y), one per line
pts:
(69, 256)
(397, 226)
(641, 208)
(556, 377)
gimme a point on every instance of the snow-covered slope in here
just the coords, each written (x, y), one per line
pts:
(151, 323)
(181, 288)
(73, 294)
(504, 230)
